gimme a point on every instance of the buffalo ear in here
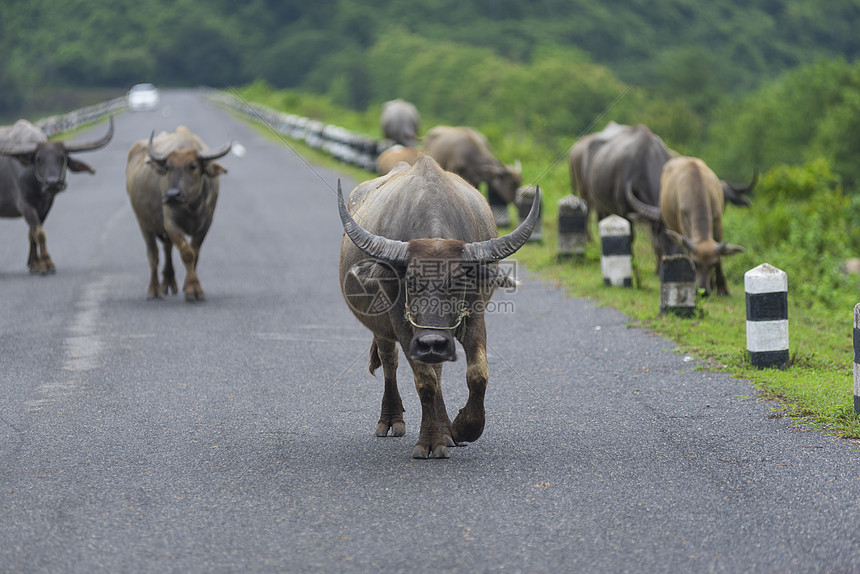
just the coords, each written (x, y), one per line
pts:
(730, 249)
(214, 169)
(77, 165)
(491, 278)
(681, 240)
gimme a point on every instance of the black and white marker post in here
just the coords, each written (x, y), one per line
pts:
(572, 226)
(677, 286)
(525, 198)
(857, 359)
(499, 208)
(767, 316)
(616, 259)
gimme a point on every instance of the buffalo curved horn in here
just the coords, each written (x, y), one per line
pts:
(210, 155)
(18, 150)
(748, 187)
(651, 212)
(376, 246)
(500, 247)
(736, 194)
(92, 145)
(150, 151)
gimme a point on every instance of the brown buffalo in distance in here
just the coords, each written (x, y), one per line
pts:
(691, 205)
(421, 279)
(172, 182)
(466, 152)
(32, 173)
(394, 155)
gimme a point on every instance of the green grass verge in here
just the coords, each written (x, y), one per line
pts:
(816, 388)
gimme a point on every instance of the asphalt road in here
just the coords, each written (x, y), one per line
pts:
(236, 435)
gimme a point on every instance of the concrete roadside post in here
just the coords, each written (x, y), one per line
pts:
(525, 198)
(677, 285)
(572, 227)
(767, 316)
(616, 256)
(499, 208)
(857, 359)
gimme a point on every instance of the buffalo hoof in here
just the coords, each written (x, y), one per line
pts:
(423, 451)
(398, 428)
(193, 297)
(466, 430)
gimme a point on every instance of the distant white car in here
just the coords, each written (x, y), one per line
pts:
(143, 97)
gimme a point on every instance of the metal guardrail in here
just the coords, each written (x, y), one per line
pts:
(53, 125)
(340, 143)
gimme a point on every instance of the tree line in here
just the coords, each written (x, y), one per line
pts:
(693, 50)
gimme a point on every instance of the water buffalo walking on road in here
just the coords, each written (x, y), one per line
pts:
(32, 172)
(422, 278)
(172, 182)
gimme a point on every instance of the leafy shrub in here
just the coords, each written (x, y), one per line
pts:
(800, 222)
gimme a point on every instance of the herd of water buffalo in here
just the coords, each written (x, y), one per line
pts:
(621, 170)
(420, 238)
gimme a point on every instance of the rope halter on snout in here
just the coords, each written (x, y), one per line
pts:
(464, 312)
(61, 181)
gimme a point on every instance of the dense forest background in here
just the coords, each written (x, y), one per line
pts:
(713, 78)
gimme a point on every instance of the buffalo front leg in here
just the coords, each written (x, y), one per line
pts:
(33, 257)
(391, 417)
(38, 260)
(469, 423)
(168, 274)
(153, 291)
(720, 279)
(431, 443)
(441, 410)
(192, 289)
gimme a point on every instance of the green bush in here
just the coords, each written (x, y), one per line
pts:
(800, 222)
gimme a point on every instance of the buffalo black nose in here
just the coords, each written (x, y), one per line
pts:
(173, 194)
(433, 348)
